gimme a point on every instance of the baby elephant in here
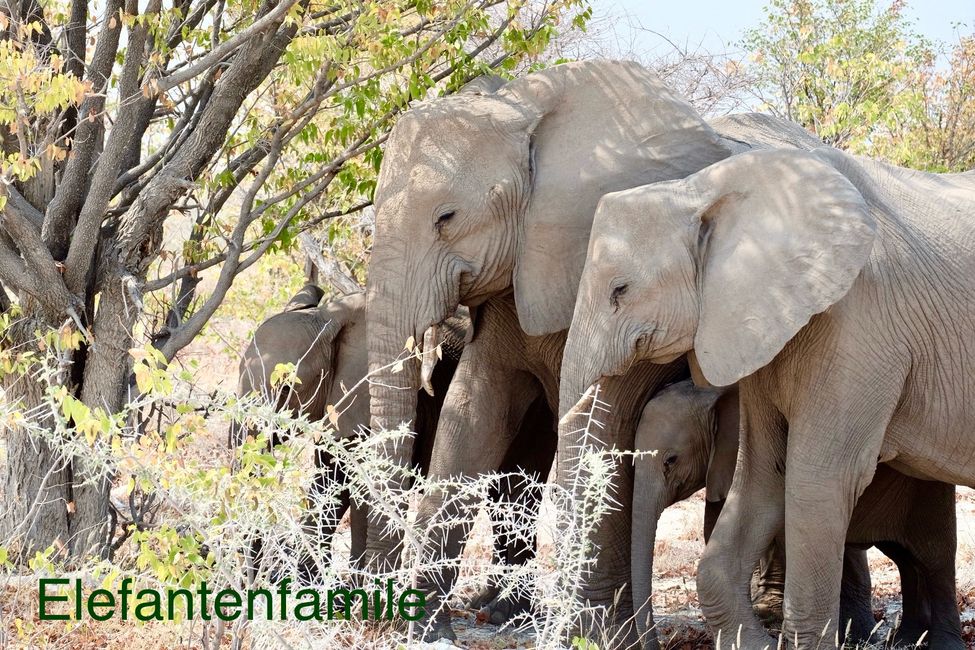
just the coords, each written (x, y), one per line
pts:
(694, 434)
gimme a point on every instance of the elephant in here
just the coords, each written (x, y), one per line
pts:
(486, 199)
(693, 433)
(327, 344)
(840, 293)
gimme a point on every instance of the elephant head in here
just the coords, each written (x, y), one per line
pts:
(693, 436)
(306, 335)
(482, 193)
(744, 253)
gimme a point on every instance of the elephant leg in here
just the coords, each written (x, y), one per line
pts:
(915, 617)
(483, 409)
(930, 538)
(531, 453)
(359, 525)
(487, 595)
(327, 510)
(825, 477)
(770, 583)
(856, 611)
(752, 516)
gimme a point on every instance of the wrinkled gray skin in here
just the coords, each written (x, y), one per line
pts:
(694, 434)
(486, 199)
(841, 291)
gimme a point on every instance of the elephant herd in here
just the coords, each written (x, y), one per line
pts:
(783, 324)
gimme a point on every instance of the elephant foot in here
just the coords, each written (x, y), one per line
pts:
(947, 640)
(500, 610)
(767, 605)
(482, 598)
(912, 633)
(439, 629)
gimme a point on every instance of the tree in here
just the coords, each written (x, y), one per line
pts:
(841, 68)
(938, 132)
(253, 120)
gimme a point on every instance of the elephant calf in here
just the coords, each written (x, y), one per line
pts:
(327, 345)
(694, 432)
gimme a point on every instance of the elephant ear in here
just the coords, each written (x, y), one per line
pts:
(724, 447)
(602, 126)
(309, 296)
(783, 236)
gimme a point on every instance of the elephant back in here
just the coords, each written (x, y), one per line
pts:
(746, 131)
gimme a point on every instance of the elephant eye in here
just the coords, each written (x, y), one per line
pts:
(614, 296)
(669, 461)
(443, 219)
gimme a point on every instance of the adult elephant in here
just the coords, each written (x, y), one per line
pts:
(486, 199)
(841, 292)
(693, 436)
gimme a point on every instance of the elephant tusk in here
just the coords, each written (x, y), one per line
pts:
(585, 406)
(431, 354)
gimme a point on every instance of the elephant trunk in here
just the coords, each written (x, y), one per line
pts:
(393, 400)
(584, 364)
(581, 369)
(648, 504)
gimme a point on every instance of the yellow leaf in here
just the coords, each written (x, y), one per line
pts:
(142, 378)
(410, 344)
(333, 415)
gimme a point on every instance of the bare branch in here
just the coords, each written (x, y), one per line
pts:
(13, 271)
(23, 207)
(330, 269)
(45, 282)
(268, 22)
(76, 37)
(85, 238)
(140, 227)
(60, 214)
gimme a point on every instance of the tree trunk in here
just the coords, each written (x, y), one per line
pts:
(37, 481)
(105, 386)
(51, 499)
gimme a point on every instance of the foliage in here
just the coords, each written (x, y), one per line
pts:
(208, 508)
(938, 133)
(856, 73)
(841, 68)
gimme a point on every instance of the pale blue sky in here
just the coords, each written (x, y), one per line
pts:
(716, 25)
